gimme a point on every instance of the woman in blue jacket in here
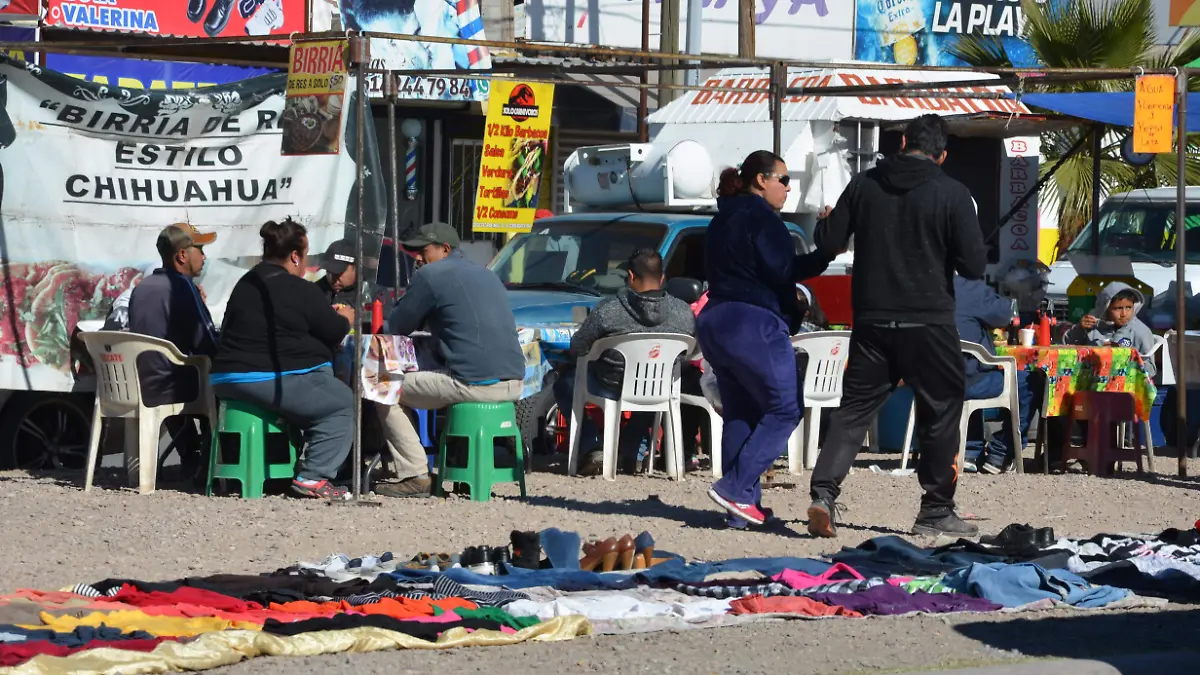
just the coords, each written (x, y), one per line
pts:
(743, 330)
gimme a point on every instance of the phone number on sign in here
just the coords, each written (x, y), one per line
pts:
(435, 88)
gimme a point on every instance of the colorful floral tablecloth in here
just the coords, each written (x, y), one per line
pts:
(1070, 369)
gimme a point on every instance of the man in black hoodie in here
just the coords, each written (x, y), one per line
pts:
(913, 228)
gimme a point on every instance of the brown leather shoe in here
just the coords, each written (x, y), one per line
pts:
(602, 554)
(417, 487)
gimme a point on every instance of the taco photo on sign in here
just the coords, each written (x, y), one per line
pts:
(528, 158)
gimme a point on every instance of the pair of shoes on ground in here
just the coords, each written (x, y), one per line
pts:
(823, 515)
(626, 553)
(436, 562)
(485, 559)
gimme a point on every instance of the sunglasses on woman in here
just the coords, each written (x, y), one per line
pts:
(783, 178)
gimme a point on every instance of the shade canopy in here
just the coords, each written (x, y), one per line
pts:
(1115, 108)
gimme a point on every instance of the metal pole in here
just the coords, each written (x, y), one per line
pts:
(643, 102)
(695, 20)
(360, 57)
(778, 80)
(668, 41)
(746, 28)
(1097, 148)
(1180, 361)
(390, 91)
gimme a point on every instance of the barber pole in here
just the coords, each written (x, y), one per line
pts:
(410, 170)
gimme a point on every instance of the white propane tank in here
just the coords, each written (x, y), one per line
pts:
(640, 173)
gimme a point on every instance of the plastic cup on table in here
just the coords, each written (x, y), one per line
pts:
(1027, 335)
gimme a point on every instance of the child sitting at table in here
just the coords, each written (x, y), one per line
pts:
(1119, 304)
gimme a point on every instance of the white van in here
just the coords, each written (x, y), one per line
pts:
(1139, 225)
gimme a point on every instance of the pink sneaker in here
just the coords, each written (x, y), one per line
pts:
(747, 512)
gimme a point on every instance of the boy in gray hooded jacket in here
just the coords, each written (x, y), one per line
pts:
(1113, 322)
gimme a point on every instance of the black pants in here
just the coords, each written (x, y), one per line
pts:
(930, 362)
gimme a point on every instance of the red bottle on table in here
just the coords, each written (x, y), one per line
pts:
(376, 317)
(1043, 330)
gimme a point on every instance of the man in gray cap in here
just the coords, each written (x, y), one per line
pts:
(465, 307)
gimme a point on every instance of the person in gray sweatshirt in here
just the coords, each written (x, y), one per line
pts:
(1113, 322)
(643, 307)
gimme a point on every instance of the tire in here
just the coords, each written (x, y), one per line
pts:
(45, 430)
(533, 419)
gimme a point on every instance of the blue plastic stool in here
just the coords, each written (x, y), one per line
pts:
(427, 429)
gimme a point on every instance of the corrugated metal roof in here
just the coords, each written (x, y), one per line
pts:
(707, 106)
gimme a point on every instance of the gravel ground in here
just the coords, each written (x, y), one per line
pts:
(55, 535)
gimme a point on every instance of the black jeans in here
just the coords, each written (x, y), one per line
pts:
(930, 362)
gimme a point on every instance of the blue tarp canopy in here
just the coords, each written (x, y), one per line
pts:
(1114, 108)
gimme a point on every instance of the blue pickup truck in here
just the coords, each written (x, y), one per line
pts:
(574, 261)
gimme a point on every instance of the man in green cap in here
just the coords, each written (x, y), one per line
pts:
(465, 307)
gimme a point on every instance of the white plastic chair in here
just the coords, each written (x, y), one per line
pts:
(119, 395)
(827, 352)
(715, 424)
(1007, 398)
(1166, 372)
(651, 384)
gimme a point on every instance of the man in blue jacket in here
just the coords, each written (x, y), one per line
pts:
(979, 310)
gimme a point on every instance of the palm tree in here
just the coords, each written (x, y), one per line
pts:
(1091, 34)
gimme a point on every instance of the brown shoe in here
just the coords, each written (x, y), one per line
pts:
(416, 487)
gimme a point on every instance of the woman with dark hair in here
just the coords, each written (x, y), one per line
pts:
(744, 329)
(277, 345)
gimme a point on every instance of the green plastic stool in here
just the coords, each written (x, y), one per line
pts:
(480, 424)
(252, 425)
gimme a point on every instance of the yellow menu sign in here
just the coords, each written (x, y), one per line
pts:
(316, 89)
(1153, 113)
(516, 150)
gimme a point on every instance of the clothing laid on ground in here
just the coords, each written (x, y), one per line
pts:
(889, 555)
(1022, 583)
(629, 313)
(77, 636)
(1134, 334)
(130, 620)
(418, 629)
(167, 305)
(757, 604)
(888, 600)
(913, 227)
(16, 654)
